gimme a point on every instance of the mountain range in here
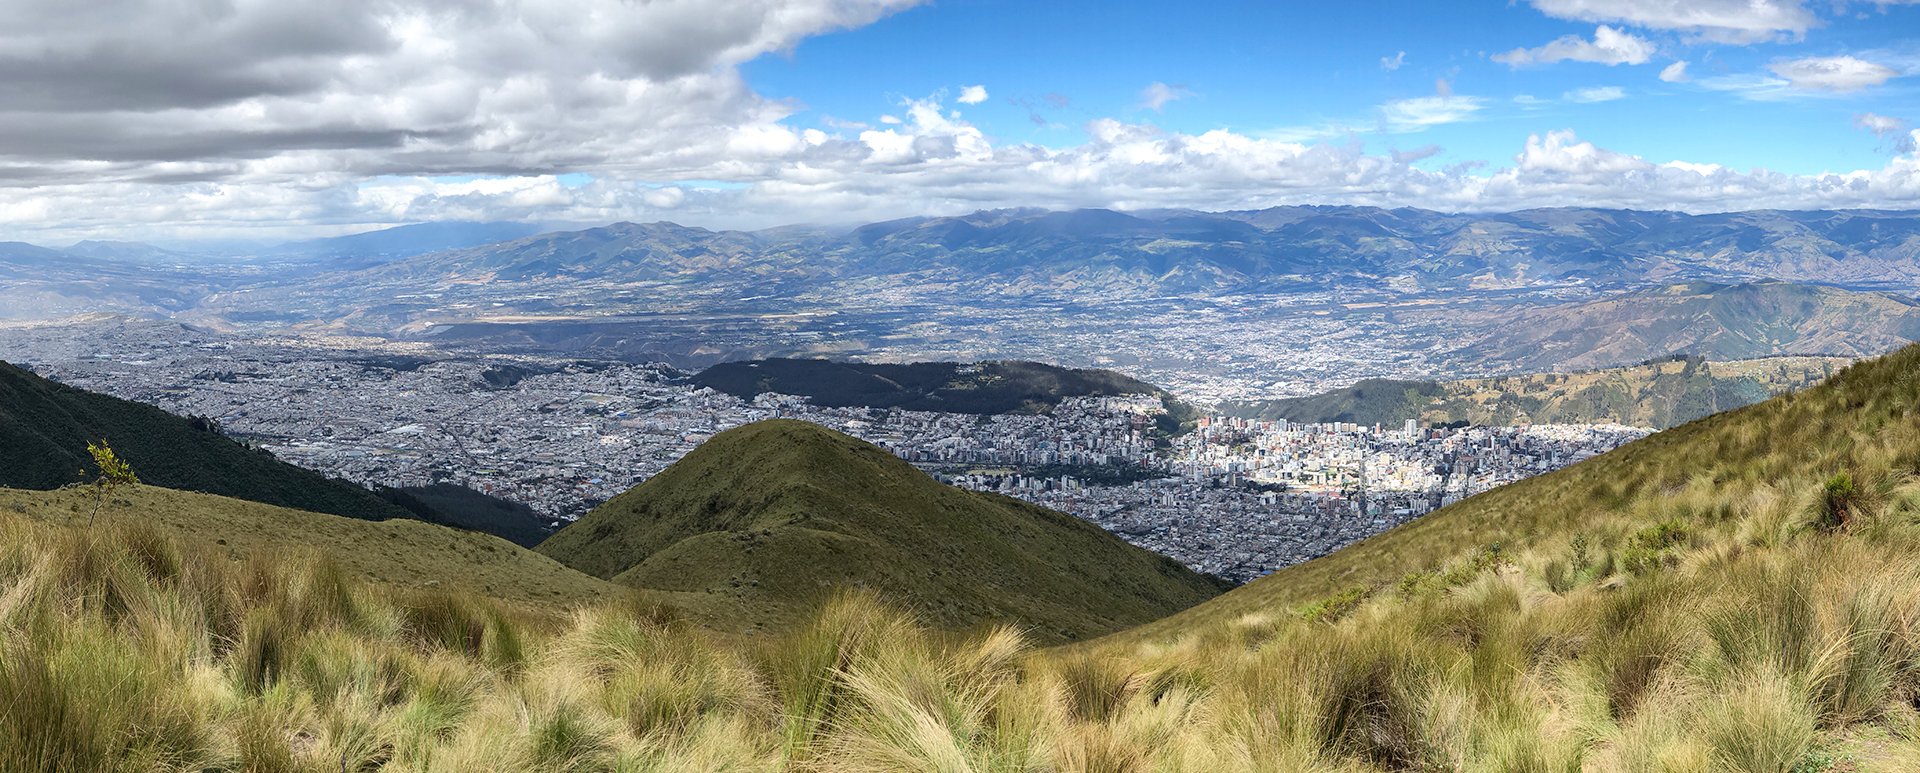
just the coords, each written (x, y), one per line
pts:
(1279, 249)
(1548, 289)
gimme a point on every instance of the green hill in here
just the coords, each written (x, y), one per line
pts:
(1008, 386)
(45, 428)
(1659, 394)
(784, 513)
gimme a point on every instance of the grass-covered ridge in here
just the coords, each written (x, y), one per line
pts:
(45, 428)
(778, 515)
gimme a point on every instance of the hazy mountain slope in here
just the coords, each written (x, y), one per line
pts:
(984, 388)
(1658, 394)
(45, 428)
(1719, 322)
(1861, 421)
(782, 513)
(373, 247)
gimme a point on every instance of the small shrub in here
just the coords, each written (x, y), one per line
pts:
(1838, 502)
(1332, 608)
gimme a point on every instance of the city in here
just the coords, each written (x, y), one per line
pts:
(1232, 497)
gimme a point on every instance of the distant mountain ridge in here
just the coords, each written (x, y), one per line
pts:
(1716, 321)
(774, 516)
(1185, 250)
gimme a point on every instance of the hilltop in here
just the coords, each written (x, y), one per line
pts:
(1660, 394)
(781, 513)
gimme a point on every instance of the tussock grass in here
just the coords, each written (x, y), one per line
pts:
(1708, 615)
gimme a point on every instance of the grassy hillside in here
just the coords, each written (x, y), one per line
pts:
(783, 513)
(984, 388)
(1773, 457)
(398, 552)
(1737, 594)
(45, 428)
(1659, 394)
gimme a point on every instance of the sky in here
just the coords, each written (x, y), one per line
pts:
(177, 120)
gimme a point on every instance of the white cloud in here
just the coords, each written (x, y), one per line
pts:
(1593, 94)
(1420, 113)
(1391, 63)
(1610, 46)
(1832, 73)
(1156, 95)
(1417, 154)
(267, 119)
(1675, 73)
(972, 95)
(1893, 130)
(666, 197)
(1731, 21)
(934, 164)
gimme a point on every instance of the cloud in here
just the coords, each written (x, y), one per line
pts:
(1727, 21)
(1832, 73)
(252, 118)
(1893, 130)
(972, 95)
(1391, 63)
(935, 164)
(257, 91)
(1593, 94)
(1421, 113)
(1609, 46)
(1156, 95)
(1416, 154)
(1675, 73)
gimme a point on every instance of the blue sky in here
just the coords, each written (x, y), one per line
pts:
(176, 120)
(1280, 68)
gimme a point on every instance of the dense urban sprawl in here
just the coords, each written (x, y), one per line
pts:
(1232, 497)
